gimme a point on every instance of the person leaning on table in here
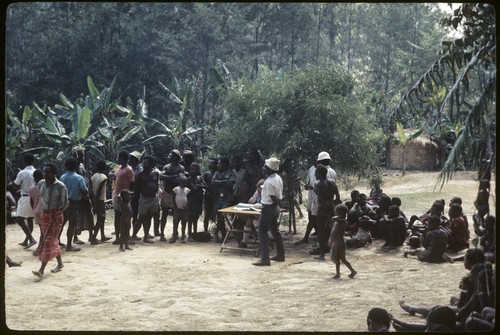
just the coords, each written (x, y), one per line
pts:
(272, 193)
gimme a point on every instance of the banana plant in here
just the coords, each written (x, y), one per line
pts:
(403, 140)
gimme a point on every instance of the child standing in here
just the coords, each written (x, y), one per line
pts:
(195, 198)
(337, 240)
(125, 218)
(98, 195)
(180, 209)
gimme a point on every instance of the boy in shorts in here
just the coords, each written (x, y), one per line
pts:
(337, 241)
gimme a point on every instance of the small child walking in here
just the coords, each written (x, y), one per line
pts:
(180, 209)
(125, 218)
(337, 240)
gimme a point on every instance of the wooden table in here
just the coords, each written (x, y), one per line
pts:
(230, 215)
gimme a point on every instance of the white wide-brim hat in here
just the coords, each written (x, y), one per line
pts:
(273, 163)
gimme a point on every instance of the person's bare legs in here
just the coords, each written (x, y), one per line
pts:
(40, 271)
(412, 310)
(59, 266)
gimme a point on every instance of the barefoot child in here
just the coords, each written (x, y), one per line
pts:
(125, 218)
(337, 240)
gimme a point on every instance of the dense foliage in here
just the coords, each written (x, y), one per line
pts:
(288, 78)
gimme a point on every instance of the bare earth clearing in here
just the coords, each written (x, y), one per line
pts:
(195, 287)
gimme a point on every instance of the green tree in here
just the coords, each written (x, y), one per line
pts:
(296, 115)
(470, 56)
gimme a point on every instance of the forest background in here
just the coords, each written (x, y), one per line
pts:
(290, 79)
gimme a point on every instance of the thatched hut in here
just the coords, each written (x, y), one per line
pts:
(421, 153)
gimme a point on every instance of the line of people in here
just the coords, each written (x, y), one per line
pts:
(151, 194)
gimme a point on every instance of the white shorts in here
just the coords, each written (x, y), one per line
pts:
(24, 209)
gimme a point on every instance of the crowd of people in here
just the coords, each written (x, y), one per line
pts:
(143, 195)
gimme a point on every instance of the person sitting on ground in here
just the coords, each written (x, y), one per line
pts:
(397, 201)
(362, 238)
(353, 223)
(379, 229)
(434, 243)
(394, 229)
(354, 199)
(361, 208)
(482, 297)
(378, 320)
(484, 321)
(458, 238)
(458, 200)
(439, 318)
(337, 253)
(467, 285)
(375, 192)
(437, 209)
(252, 221)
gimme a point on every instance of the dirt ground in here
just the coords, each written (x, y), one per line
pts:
(195, 287)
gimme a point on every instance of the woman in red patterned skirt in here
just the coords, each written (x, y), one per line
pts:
(54, 197)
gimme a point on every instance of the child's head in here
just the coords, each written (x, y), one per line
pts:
(473, 257)
(37, 175)
(456, 200)
(341, 211)
(354, 195)
(183, 180)
(125, 195)
(321, 171)
(437, 207)
(441, 318)
(194, 169)
(393, 211)
(434, 222)
(378, 319)
(455, 210)
(101, 166)
(384, 201)
(362, 199)
(396, 201)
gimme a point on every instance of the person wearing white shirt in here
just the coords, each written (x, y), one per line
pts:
(25, 180)
(271, 196)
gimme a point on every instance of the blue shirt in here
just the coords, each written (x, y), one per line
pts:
(75, 185)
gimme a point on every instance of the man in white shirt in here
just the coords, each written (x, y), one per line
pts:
(24, 210)
(271, 196)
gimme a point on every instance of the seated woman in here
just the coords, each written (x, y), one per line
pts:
(473, 261)
(394, 229)
(362, 237)
(375, 192)
(380, 216)
(481, 300)
(252, 221)
(397, 201)
(434, 243)
(459, 232)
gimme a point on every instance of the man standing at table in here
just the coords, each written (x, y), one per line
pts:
(272, 193)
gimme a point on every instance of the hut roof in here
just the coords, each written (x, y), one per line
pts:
(424, 139)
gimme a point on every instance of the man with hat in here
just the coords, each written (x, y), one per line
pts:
(170, 177)
(272, 194)
(323, 159)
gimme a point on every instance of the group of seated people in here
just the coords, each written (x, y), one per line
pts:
(472, 310)
(431, 236)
